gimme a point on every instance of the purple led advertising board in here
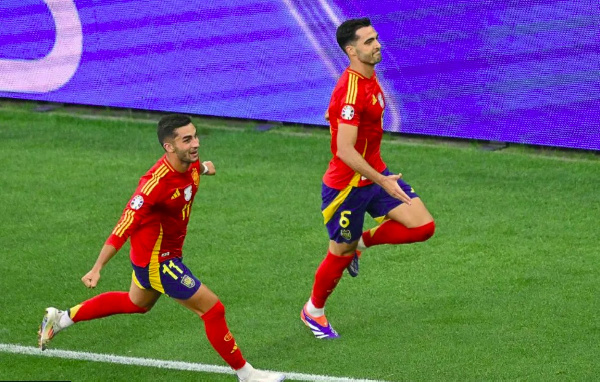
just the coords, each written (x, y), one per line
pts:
(510, 70)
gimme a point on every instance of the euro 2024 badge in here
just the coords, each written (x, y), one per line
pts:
(348, 112)
(137, 202)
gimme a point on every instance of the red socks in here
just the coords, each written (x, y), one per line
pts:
(105, 304)
(327, 276)
(392, 232)
(220, 337)
(109, 303)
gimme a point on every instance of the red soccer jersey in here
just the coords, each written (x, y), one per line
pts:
(158, 213)
(358, 101)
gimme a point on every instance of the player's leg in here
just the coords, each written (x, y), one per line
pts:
(343, 212)
(137, 300)
(339, 257)
(330, 271)
(198, 298)
(401, 223)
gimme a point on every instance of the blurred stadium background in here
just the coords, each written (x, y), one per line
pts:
(516, 71)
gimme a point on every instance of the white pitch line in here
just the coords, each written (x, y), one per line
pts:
(149, 362)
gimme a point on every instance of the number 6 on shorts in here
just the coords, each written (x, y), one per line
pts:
(344, 221)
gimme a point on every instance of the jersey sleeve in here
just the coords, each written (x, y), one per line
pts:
(139, 207)
(351, 107)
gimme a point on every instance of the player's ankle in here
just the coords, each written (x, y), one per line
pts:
(65, 320)
(244, 372)
(313, 310)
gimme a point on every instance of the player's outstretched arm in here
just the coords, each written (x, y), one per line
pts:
(91, 278)
(346, 139)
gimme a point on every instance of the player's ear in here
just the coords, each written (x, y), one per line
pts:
(168, 147)
(350, 50)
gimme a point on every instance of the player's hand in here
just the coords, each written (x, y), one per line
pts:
(390, 185)
(91, 279)
(211, 167)
(327, 115)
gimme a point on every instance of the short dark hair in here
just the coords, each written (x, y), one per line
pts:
(346, 32)
(168, 124)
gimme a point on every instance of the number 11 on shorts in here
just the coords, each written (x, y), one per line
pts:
(169, 271)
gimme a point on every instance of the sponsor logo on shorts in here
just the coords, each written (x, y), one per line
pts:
(346, 234)
(188, 281)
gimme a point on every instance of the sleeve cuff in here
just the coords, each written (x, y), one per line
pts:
(115, 241)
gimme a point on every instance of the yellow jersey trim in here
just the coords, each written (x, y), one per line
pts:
(153, 182)
(125, 223)
(350, 71)
(154, 267)
(166, 162)
(352, 89)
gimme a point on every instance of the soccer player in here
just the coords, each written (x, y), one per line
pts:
(357, 179)
(156, 220)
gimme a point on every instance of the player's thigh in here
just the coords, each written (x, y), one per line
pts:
(411, 216)
(344, 215)
(144, 298)
(201, 301)
(383, 207)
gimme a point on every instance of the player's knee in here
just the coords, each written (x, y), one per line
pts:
(135, 308)
(427, 230)
(217, 312)
(144, 309)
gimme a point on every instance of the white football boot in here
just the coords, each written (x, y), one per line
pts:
(50, 326)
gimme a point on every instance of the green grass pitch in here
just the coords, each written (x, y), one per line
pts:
(507, 289)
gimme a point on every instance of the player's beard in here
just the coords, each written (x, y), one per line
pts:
(185, 156)
(370, 59)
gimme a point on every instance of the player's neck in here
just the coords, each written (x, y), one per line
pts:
(365, 70)
(178, 165)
